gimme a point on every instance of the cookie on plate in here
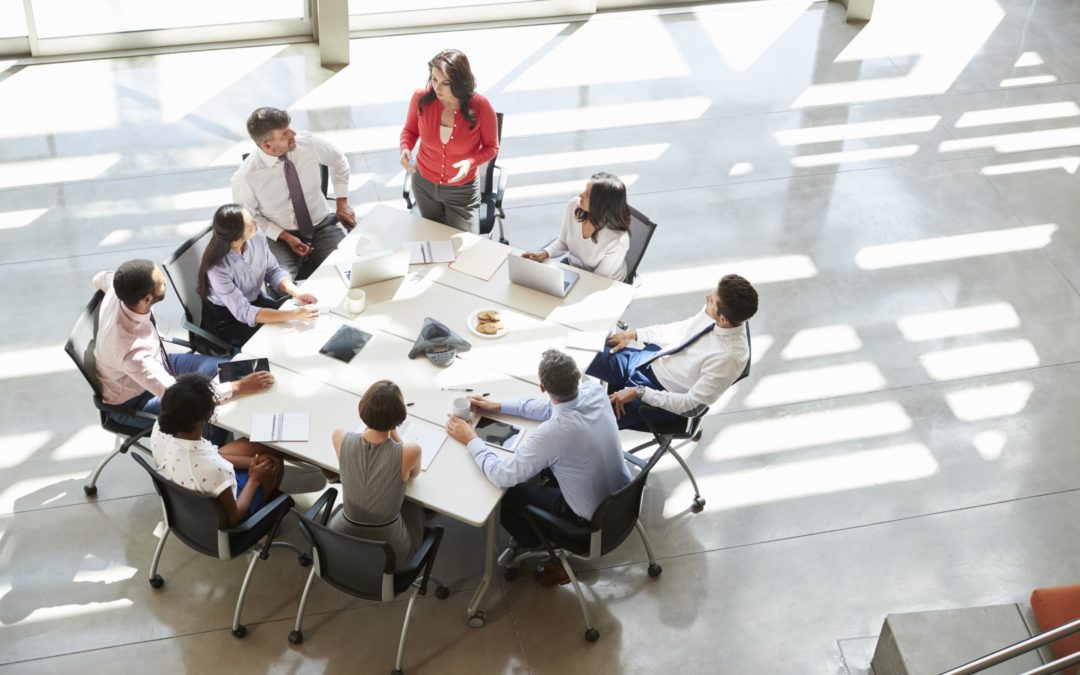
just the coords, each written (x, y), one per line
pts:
(488, 316)
(488, 327)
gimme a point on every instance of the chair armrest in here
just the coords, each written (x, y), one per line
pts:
(133, 440)
(553, 521)
(282, 503)
(501, 191)
(122, 410)
(325, 501)
(427, 549)
(208, 336)
(180, 342)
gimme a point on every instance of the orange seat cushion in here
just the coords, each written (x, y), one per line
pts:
(1054, 607)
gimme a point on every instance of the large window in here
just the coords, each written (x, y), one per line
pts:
(370, 15)
(12, 19)
(64, 18)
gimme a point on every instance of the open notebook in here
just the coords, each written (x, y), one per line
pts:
(429, 437)
(282, 426)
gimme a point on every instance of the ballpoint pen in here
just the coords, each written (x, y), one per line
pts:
(457, 389)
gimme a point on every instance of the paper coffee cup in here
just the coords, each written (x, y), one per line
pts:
(461, 408)
(356, 300)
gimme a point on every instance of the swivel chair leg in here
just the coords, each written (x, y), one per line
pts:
(297, 635)
(591, 634)
(699, 501)
(238, 630)
(405, 630)
(155, 579)
(90, 489)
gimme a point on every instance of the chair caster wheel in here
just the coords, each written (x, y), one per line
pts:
(511, 573)
(698, 505)
(156, 581)
(89, 490)
(592, 635)
(239, 631)
(397, 672)
(296, 637)
(477, 620)
(696, 438)
(655, 570)
(304, 560)
(442, 592)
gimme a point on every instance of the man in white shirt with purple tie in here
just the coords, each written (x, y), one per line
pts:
(685, 366)
(280, 184)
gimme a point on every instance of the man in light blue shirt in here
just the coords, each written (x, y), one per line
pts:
(578, 441)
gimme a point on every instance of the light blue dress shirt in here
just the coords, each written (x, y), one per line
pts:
(578, 440)
(238, 278)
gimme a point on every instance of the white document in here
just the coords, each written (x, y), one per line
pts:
(429, 437)
(586, 340)
(282, 426)
(478, 256)
(425, 252)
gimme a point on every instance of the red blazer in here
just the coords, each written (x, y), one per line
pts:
(435, 161)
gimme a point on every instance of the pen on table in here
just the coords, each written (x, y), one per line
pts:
(457, 389)
(409, 405)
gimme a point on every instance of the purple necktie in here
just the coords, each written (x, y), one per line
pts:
(161, 343)
(296, 196)
(668, 352)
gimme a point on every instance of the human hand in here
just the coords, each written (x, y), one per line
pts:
(263, 468)
(297, 245)
(481, 404)
(406, 161)
(463, 169)
(619, 341)
(345, 214)
(305, 298)
(620, 398)
(459, 430)
(305, 313)
(253, 383)
(539, 256)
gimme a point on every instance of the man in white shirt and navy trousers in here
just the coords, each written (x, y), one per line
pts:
(686, 365)
(281, 185)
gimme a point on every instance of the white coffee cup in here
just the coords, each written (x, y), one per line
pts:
(356, 300)
(461, 408)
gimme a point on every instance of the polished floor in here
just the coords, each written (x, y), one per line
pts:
(902, 193)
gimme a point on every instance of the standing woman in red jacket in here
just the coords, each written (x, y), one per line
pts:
(458, 132)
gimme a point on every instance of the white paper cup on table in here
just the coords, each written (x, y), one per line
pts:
(461, 408)
(356, 300)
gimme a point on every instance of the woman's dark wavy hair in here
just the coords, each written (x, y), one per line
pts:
(462, 83)
(607, 205)
(228, 227)
(190, 400)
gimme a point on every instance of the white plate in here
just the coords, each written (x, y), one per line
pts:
(471, 323)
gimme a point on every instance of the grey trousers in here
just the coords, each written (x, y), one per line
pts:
(327, 235)
(454, 205)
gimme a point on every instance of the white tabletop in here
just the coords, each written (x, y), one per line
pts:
(453, 484)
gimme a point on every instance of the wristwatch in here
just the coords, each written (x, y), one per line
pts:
(639, 393)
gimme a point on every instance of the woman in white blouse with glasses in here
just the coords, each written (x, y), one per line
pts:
(595, 232)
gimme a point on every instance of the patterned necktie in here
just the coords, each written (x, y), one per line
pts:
(668, 352)
(161, 343)
(296, 196)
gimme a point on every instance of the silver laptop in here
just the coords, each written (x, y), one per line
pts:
(540, 276)
(374, 268)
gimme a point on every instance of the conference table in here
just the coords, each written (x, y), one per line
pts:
(503, 368)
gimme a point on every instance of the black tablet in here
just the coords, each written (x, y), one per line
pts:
(501, 435)
(234, 370)
(345, 343)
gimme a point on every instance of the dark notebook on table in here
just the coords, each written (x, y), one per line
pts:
(234, 370)
(345, 343)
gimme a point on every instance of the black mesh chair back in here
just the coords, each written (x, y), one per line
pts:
(192, 516)
(641, 233)
(617, 515)
(490, 194)
(182, 268)
(350, 564)
(80, 342)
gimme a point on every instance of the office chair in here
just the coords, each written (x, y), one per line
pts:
(80, 347)
(200, 522)
(182, 269)
(364, 568)
(614, 520)
(641, 233)
(491, 193)
(687, 429)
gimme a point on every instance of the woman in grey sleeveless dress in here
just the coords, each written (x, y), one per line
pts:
(375, 468)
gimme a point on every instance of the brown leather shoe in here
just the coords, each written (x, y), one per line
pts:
(551, 573)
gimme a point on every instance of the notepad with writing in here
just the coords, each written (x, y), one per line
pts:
(429, 437)
(282, 426)
(425, 252)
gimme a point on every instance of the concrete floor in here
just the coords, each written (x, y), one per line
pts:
(903, 194)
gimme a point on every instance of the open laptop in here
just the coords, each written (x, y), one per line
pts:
(374, 268)
(540, 276)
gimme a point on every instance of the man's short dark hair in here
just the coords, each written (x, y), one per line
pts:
(262, 123)
(134, 280)
(738, 299)
(382, 407)
(189, 401)
(559, 375)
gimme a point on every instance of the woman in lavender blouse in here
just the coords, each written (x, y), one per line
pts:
(236, 264)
